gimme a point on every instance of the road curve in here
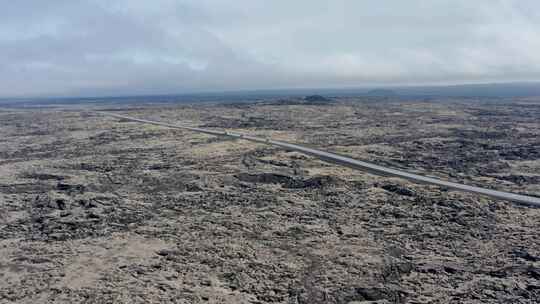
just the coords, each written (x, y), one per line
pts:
(518, 199)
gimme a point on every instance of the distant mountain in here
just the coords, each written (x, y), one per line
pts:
(474, 90)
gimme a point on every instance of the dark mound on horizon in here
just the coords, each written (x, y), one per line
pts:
(316, 99)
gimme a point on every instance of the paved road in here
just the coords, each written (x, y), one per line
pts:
(353, 163)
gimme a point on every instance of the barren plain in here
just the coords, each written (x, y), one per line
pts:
(99, 210)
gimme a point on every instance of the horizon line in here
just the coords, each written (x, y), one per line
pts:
(271, 90)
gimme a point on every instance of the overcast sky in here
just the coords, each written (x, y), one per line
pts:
(102, 47)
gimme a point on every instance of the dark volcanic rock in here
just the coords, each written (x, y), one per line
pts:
(316, 99)
(70, 187)
(43, 176)
(61, 203)
(316, 182)
(397, 189)
(520, 179)
(266, 178)
(524, 254)
(357, 294)
(288, 181)
(124, 212)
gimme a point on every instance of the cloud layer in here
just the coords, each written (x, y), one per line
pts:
(103, 47)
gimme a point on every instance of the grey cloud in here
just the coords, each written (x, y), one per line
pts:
(164, 46)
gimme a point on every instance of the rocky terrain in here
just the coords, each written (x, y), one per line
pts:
(99, 210)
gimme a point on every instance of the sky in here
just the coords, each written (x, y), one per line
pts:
(133, 47)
